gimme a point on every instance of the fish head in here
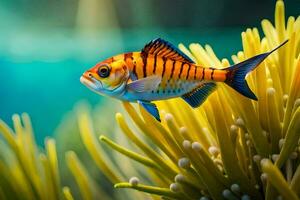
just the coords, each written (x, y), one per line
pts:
(107, 77)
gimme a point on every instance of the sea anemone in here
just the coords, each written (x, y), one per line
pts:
(25, 171)
(32, 173)
(230, 147)
(111, 164)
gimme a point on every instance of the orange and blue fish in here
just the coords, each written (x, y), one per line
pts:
(161, 71)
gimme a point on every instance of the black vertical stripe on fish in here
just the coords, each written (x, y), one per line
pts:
(164, 67)
(203, 73)
(181, 69)
(188, 72)
(173, 68)
(154, 67)
(195, 73)
(212, 73)
(144, 59)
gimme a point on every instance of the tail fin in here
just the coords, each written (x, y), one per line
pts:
(236, 74)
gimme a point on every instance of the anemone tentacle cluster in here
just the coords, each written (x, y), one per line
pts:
(26, 172)
(230, 147)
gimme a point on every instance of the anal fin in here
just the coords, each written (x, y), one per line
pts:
(151, 108)
(197, 96)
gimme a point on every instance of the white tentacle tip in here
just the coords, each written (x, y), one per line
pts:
(134, 181)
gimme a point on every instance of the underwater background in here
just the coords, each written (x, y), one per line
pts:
(47, 45)
(59, 140)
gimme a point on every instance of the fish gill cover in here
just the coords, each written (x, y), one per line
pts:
(229, 148)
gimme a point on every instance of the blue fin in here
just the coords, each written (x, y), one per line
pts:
(197, 96)
(151, 108)
(165, 49)
(236, 74)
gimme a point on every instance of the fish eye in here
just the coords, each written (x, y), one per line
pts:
(103, 71)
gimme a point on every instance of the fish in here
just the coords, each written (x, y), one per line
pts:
(161, 71)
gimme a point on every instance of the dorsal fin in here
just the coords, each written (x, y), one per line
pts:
(165, 49)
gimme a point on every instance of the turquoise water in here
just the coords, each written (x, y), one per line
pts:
(40, 73)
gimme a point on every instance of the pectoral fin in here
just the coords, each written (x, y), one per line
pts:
(145, 84)
(151, 108)
(197, 96)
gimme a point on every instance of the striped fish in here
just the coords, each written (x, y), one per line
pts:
(161, 71)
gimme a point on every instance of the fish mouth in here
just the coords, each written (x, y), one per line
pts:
(90, 81)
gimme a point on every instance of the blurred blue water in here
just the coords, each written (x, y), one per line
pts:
(40, 73)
